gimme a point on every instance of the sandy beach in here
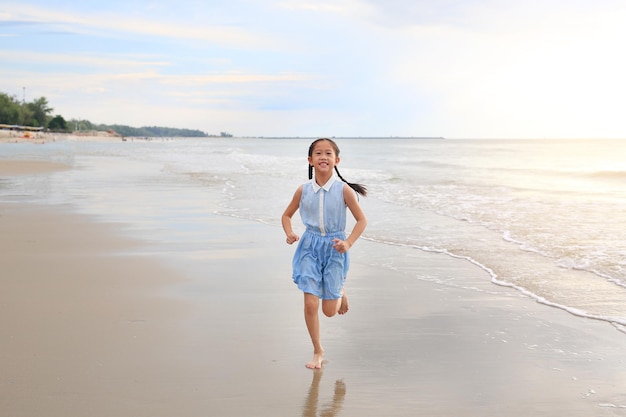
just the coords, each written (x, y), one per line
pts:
(40, 138)
(97, 323)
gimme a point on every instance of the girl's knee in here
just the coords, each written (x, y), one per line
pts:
(310, 309)
(329, 312)
(330, 307)
(311, 304)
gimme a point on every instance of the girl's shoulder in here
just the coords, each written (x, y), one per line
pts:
(349, 193)
(304, 185)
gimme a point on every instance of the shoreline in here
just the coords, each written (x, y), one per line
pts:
(39, 138)
(97, 323)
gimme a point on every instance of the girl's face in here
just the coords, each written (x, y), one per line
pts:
(323, 158)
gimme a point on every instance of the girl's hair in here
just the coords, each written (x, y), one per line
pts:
(359, 188)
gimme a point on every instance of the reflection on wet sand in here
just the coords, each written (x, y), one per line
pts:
(329, 409)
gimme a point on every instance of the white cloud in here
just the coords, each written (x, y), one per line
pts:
(107, 25)
(95, 60)
(314, 6)
(233, 77)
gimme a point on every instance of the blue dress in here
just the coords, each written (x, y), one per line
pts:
(318, 268)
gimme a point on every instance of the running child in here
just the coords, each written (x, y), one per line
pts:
(321, 260)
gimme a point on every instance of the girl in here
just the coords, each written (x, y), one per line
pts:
(321, 261)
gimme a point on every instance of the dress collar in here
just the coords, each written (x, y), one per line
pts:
(326, 186)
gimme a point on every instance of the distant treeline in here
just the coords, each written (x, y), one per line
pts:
(38, 113)
(155, 131)
(146, 131)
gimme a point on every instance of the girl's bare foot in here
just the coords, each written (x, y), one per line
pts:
(316, 363)
(344, 307)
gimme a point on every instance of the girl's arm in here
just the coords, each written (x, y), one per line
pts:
(288, 214)
(361, 221)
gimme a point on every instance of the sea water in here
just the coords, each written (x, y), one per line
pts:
(544, 217)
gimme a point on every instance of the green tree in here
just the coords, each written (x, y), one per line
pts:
(9, 110)
(40, 112)
(57, 123)
(26, 116)
(79, 125)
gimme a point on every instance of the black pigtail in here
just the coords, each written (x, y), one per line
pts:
(359, 188)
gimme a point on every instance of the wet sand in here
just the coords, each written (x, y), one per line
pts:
(16, 167)
(97, 323)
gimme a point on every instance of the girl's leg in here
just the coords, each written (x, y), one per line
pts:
(311, 317)
(332, 307)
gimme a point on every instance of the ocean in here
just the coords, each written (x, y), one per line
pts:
(545, 218)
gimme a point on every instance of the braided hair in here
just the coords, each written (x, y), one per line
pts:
(359, 188)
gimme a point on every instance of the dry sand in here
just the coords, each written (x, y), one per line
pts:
(95, 323)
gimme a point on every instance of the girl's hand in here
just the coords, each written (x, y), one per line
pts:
(341, 246)
(292, 237)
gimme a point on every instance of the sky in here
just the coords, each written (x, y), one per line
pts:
(451, 68)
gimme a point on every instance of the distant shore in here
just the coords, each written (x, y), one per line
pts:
(15, 136)
(12, 136)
